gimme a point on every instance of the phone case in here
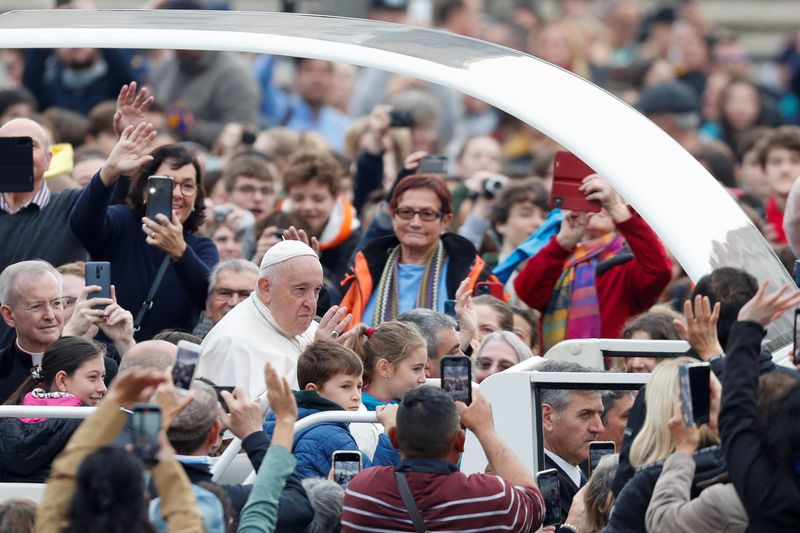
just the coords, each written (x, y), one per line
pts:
(433, 164)
(98, 273)
(568, 172)
(547, 480)
(146, 423)
(16, 162)
(159, 197)
(699, 375)
(491, 288)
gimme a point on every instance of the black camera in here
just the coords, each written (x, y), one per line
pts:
(401, 119)
(492, 187)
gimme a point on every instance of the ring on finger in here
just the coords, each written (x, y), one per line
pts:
(334, 334)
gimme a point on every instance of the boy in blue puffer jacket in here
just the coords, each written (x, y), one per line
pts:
(330, 379)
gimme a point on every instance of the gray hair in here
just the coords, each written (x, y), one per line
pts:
(429, 323)
(272, 272)
(559, 399)
(12, 274)
(327, 499)
(610, 399)
(234, 265)
(520, 348)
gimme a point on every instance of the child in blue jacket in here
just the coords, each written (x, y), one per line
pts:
(330, 379)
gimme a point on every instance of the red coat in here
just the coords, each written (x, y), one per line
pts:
(623, 291)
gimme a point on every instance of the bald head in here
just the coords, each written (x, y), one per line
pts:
(25, 127)
(157, 355)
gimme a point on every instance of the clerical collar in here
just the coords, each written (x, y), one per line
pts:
(267, 314)
(36, 357)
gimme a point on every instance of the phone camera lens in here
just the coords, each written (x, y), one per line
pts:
(558, 202)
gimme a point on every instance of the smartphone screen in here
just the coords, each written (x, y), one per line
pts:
(699, 375)
(450, 308)
(221, 400)
(598, 450)
(159, 197)
(185, 363)
(433, 164)
(16, 164)
(98, 273)
(548, 485)
(685, 394)
(346, 464)
(146, 423)
(456, 376)
(796, 347)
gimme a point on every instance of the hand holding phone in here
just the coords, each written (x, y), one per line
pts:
(796, 347)
(185, 363)
(159, 197)
(146, 424)
(568, 173)
(346, 465)
(548, 485)
(597, 450)
(456, 377)
(98, 273)
(220, 399)
(433, 164)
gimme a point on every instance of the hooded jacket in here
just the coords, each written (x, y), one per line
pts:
(369, 263)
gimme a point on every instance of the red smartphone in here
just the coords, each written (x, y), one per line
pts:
(491, 288)
(568, 172)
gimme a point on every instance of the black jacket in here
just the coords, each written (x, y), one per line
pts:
(294, 510)
(566, 487)
(27, 450)
(769, 492)
(336, 261)
(630, 508)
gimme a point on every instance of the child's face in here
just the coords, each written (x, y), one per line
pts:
(782, 169)
(344, 390)
(408, 373)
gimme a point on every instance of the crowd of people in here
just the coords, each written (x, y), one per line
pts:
(320, 265)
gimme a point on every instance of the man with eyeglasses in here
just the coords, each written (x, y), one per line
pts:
(31, 304)
(229, 284)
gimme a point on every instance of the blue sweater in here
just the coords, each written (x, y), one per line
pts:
(314, 447)
(114, 234)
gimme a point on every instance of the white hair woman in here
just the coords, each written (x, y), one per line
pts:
(499, 351)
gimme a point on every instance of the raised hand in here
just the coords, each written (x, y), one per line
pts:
(700, 329)
(118, 324)
(129, 154)
(465, 314)
(293, 234)
(85, 320)
(763, 308)
(333, 322)
(131, 107)
(572, 229)
(245, 416)
(165, 235)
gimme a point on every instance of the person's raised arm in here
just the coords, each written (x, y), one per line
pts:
(129, 154)
(131, 107)
(700, 329)
(478, 419)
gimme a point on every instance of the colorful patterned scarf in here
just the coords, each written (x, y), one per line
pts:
(573, 311)
(387, 292)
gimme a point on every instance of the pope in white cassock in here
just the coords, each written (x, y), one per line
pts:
(275, 324)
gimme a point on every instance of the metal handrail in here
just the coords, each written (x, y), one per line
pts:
(31, 411)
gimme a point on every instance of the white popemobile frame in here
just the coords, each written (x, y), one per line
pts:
(692, 214)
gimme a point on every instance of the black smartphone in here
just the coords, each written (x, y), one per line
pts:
(796, 347)
(433, 164)
(98, 273)
(456, 377)
(159, 197)
(185, 363)
(450, 308)
(16, 164)
(695, 392)
(597, 450)
(346, 464)
(401, 119)
(146, 423)
(548, 485)
(221, 400)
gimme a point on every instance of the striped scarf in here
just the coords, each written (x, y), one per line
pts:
(387, 292)
(573, 311)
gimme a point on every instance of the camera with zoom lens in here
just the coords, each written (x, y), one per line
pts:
(492, 187)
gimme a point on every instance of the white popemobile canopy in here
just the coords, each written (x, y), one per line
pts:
(696, 219)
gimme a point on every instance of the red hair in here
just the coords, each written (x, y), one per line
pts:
(432, 182)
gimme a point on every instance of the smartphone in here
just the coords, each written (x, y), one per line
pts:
(456, 377)
(346, 464)
(98, 273)
(433, 164)
(16, 164)
(796, 348)
(597, 450)
(146, 423)
(548, 485)
(695, 392)
(492, 288)
(568, 172)
(159, 196)
(221, 400)
(450, 308)
(185, 363)
(401, 119)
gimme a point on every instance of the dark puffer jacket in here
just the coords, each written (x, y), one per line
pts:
(26, 450)
(630, 509)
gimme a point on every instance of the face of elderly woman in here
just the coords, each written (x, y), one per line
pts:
(421, 229)
(495, 357)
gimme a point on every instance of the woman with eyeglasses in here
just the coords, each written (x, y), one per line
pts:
(421, 265)
(137, 246)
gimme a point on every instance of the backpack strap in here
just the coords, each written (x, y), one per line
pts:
(411, 505)
(147, 304)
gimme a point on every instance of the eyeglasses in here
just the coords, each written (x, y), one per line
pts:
(426, 215)
(251, 189)
(188, 187)
(39, 308)
(227, 294)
